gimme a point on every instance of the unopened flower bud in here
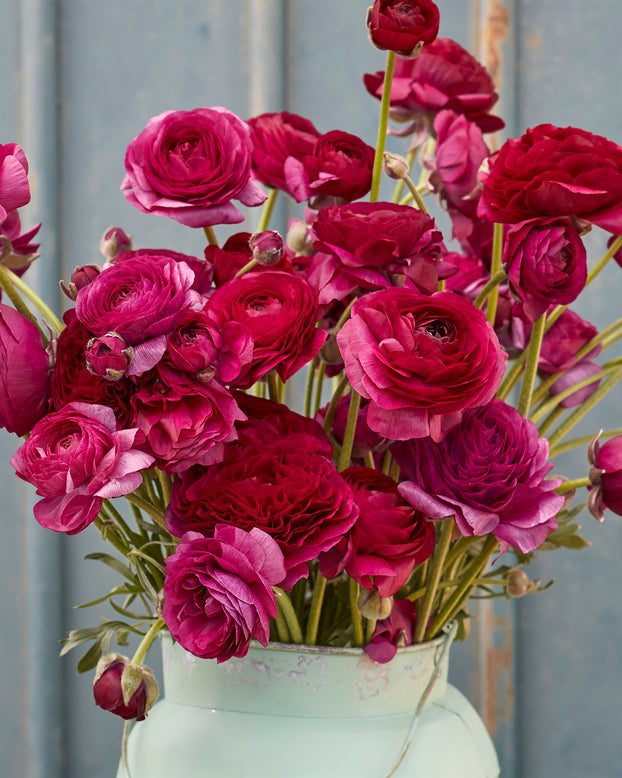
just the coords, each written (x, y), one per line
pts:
(518, 583)
(395, 166)
(267, 247)
(81, 277)
(114, 241)
(373, 606)
(123, 688)
(108, 356)
(329, 352)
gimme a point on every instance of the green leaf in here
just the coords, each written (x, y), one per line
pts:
(114, 563)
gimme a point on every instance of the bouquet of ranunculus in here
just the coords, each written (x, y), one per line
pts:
(399, 480)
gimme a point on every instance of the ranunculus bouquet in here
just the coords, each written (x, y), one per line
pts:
(398, 481)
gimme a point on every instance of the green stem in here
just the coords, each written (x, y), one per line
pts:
(370, 628)
(281, 624)
(550, 420)
(17, 301)
(248, 266)
(382, 127)
(497, 251)
(576, 483)
(266, 211)
(309, 386)
(316, 609)
(436, 570)
(399, 186)
(285, 605)
(531, 368)
(584, 440)
(348, 436)
(461, 594)
(211, 236)
(415, 194)
(558, 398)
(149, 509)
(273, 386)
(114, 538)
(146, 642)
(319, 386)
(357, 620)
(334, 401)
(494, 282)
(165, 482)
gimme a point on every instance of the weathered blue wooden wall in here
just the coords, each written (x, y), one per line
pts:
(80, 78)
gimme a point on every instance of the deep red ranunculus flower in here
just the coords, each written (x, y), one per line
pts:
(275, 137)
(108, 688)
(24, 372)
(218, 591)
(489, 473)
(281, 311)
(420, 360)
(403, 26)
(555, 171)
(372, 246)
(283, 486)
(337, 170)
(546, 264)
(444, 75)
(605, 477)
(190, 165)
(387, 540)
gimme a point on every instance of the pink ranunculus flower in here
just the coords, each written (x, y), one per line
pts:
(546, 264)
(140, 299)
(24, 372)
(281, 311)
(190, 165)
(275, 137)
(555, 171)
(605, 477)
(14, 187)
(396, 631)
(372, 246)
(489, 472)
(387, 540)
(182, 420)
(443, 76)
(337, 170)
(403, 26)
(75, 458)
(421, 360)
(218, 591)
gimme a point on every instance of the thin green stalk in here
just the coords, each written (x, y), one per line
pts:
(334, 401)
(248, 266)
(47, 312)
(550, 420)
(266, 211)
(575, 483)
(146, 642)
(18, 303)
(462, 592)
(386, 462)
(558, 398)
(370, 628)
(415, 194)
(281, 624)
(584, 440)
(211, 236)
(114, 538)
(348, 436)
(512, 376)
(399, 186)
(285, 605)
(493, 283)
(382, 127)
(436, 569)
(166, 483)
(357, 620)
(531, 368)
(497, 251)
(369, 460)
(319, 387)
(273, 386)
(134, 537)
(309, 386)
(149, 509)
(316, 608)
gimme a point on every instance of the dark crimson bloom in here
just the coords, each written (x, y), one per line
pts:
(371, 246)
(403, 26)
(396, 631)
(489, 473)
(443, 76)
(606, 477)
(231, 257)
(337, 170)
(388, 539)
(218, 591)
(555, 171)
(275, 138)
(108, 689)
(546, 264)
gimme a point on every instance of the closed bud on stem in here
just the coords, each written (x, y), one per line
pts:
(518, 583)
(330, 351)
(395, 166)
(108, 356)
(373, 606)
(114, 241)
(267, 247)
(81, 276)
(123, 688)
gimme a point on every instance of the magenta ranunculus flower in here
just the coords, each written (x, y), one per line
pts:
(444, 75)
(183, 421)
(275, 137)
(218, 591)
(281, 311)
(189, 165)
(140, 299)
(546, 264)
(489, 472)
(75, 458)
(420, 360)
(605, 477)
(337, 170)
(396, 631)
(403, 26)
(14, 186)
(388, 539)
(24, 372)
(283, 484)
(555, 171)
(372, 246)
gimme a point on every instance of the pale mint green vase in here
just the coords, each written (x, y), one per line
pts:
(301, 712)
